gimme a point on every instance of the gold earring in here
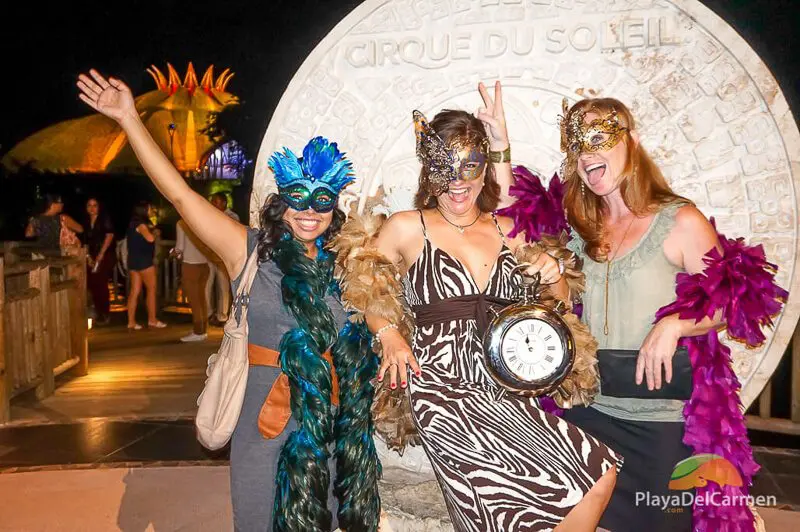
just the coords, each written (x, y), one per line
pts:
(583, 188)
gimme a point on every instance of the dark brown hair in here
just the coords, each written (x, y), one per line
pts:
(450, 125)
(141, 213)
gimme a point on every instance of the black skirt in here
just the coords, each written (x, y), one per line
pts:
(642, 500)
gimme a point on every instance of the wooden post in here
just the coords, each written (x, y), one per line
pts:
(5, 389)
(10, 252)
(79, 319)
(765, 401)
(42, 346)
(795, 411)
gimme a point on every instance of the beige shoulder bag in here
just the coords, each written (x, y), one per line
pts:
(220, 403)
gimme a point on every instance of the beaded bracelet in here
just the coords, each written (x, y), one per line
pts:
(377, 336)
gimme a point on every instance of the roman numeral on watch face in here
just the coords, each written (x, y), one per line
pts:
(532, 349)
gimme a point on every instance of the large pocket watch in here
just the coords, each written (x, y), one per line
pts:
(529, 348)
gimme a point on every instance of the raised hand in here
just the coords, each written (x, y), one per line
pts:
(493, 117)
(110, 97)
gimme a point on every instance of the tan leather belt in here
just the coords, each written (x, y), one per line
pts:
(275, 412)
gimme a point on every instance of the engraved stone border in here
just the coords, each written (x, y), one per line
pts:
(767, 194)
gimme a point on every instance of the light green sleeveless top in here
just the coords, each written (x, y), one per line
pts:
(640, 282)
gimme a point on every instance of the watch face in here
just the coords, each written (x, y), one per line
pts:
(529, 349)
(532, 349)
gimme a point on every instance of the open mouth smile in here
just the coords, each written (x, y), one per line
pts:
(595, 172)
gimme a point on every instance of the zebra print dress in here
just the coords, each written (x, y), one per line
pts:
(501, 462)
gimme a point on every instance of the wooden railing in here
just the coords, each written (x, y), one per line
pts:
(43, 323)
(765, 419)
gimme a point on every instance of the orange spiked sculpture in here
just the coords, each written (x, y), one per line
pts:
(175, 114)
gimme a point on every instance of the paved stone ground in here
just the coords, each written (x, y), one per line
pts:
(117, 464)
(195, 499)
(116, 450)
(141, 374)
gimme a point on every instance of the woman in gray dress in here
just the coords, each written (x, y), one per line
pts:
(280, 472)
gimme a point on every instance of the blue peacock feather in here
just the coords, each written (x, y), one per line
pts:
(303, 476)
(321, 163)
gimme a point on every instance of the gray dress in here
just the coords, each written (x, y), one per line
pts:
(254, 459)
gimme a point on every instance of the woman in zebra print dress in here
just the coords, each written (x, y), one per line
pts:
(502, 463)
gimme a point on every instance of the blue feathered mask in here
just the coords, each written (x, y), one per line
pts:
(313, 180)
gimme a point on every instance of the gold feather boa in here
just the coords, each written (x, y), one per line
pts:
(582, 383)
(370, 283)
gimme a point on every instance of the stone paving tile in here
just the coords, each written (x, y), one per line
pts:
(97, 442)
(171, 442)
(779, 461)
(106, 444)
(69, 444)
(773, 440)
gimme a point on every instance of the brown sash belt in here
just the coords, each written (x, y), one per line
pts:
(275, 413)
(472, 307)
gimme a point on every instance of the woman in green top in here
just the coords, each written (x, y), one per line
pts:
(634, 234)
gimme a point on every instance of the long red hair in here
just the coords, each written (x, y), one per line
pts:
(644, 188)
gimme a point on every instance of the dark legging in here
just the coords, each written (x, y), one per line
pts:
(97, 283)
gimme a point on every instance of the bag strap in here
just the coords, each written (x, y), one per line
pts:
(246, 282)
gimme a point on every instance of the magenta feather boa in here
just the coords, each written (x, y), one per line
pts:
(537, 210)
(740, 282)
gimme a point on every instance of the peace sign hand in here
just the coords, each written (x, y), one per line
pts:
(110, 97)
(493, 117)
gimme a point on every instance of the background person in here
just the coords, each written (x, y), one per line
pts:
(100, 259)
(141, 237)
(194, 277)
(52, 229)
(218, 290)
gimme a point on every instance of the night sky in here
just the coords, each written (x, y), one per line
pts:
(46, 44)
(263, 42)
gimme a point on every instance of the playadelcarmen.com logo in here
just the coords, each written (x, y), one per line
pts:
(696, 472)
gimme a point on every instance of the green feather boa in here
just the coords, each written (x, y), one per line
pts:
(303, 476)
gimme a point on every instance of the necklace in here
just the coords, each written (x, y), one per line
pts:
(608, 273)
(459, 227)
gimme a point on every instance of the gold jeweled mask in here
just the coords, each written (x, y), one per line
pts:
(463, 158)
(577, 136)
